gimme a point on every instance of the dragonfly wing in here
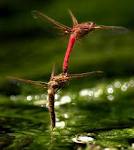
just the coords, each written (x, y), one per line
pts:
(71, 76)
(119, 29)
(53, 72)
(38, 14)
(75, 22)
(36, 83)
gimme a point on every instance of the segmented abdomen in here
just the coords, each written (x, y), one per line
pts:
(51, 107)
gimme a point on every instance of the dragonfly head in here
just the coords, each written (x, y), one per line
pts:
(91, 26)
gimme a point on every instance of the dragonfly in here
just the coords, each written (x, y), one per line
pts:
(77, 31)
(55, 83)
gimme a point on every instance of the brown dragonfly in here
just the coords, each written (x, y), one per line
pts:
(77, 31)
(55, 83)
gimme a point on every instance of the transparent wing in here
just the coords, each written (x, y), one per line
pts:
(38, 14)
(81, 75)
(118, 29)
(36, 83)
(53, 72)
(75, 22)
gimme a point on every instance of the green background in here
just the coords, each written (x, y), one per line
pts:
(30, 47)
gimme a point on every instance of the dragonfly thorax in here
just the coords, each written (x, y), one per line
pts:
(58, 81)
(82, 29)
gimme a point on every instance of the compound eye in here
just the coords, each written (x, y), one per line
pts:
(92, 23)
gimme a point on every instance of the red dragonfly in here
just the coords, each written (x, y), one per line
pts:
(77, 31)
(55, 83)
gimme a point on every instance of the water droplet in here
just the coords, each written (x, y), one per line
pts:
(83, 92)
(60, 124)
(29, 98)
(13, 98)
(132, 145)
(98, 92)
(65, 99)
(43, 96)
(57, 119)
(90, 93)
(110, 97)
(131, 83)
(57, 103)
(117, 84)
(66, 116)
(56, 96)
(124, 87)
(86, 92)
(36, 97)
(47, 105)
(110, 90)
(41, 103)
(110, 148)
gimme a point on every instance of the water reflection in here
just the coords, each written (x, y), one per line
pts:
(110, 97)
(66, 116)
(124, 87)
(100, 91)
(65, 99)
(29, 97)
(57, 96)
(131, 83)
(117, 84)
(37, 97)
(13, 97)
(110, 91)
(60, 124)
(41, 103)
(86, 92)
